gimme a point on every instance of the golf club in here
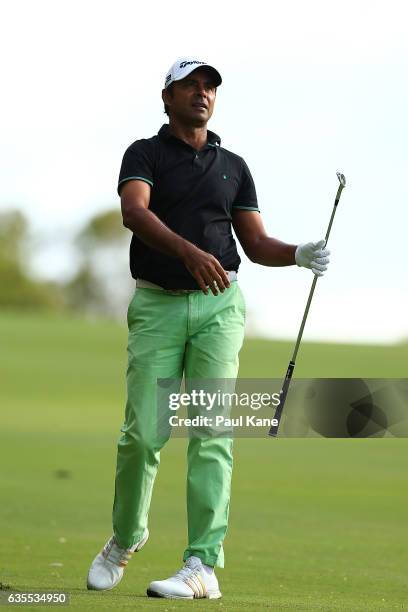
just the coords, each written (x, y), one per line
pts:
(285, 387)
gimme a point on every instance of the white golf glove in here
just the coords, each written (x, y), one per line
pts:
(314, 256)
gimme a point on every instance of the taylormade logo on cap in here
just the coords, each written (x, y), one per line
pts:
(184, 65)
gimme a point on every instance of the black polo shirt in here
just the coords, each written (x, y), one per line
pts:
(194, 193)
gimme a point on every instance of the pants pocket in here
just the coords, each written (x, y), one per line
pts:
(241, 301)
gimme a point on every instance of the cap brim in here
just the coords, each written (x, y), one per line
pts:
(215, 73)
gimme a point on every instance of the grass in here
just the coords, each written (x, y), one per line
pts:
(315, 524)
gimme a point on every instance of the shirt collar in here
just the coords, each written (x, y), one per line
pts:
(212, 138)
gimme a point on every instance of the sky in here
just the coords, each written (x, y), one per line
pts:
(309, 88)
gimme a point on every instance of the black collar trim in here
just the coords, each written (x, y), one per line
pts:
(212, 138)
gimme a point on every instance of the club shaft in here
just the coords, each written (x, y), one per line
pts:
(311, 292)
(285, 386)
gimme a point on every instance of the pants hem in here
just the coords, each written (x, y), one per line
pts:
(207, 560)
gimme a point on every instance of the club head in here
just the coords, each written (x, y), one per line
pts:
(341, 178)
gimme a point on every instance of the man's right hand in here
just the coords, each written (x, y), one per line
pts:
(205, 268)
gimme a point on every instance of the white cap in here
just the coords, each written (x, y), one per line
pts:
(182, 68)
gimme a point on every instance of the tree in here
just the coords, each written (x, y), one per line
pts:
(102, 284)
(17, 289)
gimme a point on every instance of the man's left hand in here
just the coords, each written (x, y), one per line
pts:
(313, 255)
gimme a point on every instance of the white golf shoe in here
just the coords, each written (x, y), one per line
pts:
(108, 566)
(191, 582)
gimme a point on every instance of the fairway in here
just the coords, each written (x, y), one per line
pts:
(315, 524)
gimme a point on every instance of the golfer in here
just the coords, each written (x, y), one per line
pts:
(181, 195)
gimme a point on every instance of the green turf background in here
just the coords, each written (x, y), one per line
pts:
(315, 524)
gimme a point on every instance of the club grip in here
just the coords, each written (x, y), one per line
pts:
(282, 398)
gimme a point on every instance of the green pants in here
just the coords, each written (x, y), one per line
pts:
(170, 335)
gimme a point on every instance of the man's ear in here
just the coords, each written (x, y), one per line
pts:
(166, 95)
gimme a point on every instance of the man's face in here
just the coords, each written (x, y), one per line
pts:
(192, 99)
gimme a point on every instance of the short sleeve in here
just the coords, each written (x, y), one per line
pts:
(137, 163)
(246, 197)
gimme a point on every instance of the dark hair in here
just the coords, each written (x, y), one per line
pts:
(170, 89)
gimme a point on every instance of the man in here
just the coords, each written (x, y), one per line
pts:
(181, 193)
